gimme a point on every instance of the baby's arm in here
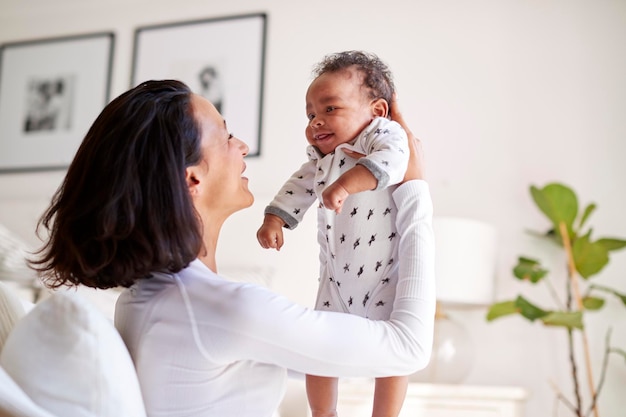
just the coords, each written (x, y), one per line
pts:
(353, 181)
(387, 153)
(288, 206)
(383, 163)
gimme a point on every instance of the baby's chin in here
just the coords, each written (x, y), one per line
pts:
(326, 146)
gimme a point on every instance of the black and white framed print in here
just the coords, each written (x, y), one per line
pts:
(51, 91)
(219, 58)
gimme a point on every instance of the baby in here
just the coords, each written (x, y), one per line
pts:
(356, 158)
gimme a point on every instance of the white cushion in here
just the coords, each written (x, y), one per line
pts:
(11, 311)
(14, 402)
(69, 359)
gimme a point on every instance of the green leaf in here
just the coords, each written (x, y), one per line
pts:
(529, 269)
(612, 243)
(589, 257)
(569, 319)
(528, 309)
(588, 210)
(558, 202)
(501, 309)
(593, 303)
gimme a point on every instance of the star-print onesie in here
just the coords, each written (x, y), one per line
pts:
(359, 246)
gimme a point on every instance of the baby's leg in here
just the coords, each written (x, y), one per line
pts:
(389, 396)
(322, 394)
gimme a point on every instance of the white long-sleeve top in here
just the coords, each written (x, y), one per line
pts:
(206, 346)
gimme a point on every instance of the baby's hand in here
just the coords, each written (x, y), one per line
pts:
(270, 234)
(334, 196)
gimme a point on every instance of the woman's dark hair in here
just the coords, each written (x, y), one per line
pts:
(124, 209)
(377, 77)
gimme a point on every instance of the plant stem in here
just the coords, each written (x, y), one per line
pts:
(560, 397)
(554, 293)
(604, 288)
(570, 343)
(579, 302)
(572, 360)
(605, 365)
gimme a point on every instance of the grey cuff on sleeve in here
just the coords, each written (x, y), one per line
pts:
(290, 221)
(381, 175)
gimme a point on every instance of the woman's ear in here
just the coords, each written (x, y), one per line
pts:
(192, 180)
(380, 107)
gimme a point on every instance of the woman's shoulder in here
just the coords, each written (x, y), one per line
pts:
(203, 281)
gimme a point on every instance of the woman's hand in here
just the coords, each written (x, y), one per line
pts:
(415, 169)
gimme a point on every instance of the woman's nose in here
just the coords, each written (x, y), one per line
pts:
(243, 146)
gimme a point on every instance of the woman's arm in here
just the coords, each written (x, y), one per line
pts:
(258, 325)
(415, 168)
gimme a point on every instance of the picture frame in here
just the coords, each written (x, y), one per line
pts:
(221, 58)
(51, 91)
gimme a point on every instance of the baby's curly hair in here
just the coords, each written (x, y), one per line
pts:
(377, 76)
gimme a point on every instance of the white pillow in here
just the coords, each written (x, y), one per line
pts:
(69, 359)
(13, 401)
(11, 311)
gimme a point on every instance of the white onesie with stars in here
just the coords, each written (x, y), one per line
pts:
(358, 247)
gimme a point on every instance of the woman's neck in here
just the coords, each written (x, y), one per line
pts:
(210, 233)
(208, 258)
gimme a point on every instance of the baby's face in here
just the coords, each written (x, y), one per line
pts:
(337, 109)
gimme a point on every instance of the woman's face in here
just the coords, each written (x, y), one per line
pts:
(220, 188)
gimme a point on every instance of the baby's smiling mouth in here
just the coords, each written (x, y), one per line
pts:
(322, 136)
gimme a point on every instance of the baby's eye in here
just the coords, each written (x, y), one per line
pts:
(329, 109)
(310, 116)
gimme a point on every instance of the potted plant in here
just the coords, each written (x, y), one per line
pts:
(584, 258)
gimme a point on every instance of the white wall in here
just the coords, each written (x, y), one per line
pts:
(503, 93)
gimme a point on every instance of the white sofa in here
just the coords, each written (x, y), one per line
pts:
(62, 357)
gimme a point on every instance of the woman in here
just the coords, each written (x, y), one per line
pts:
(142, 205)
